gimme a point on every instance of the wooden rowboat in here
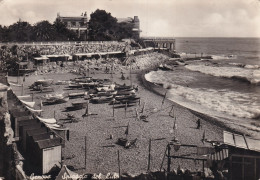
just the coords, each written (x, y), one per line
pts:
(77, 95)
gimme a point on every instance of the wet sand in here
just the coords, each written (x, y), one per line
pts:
(101, 156)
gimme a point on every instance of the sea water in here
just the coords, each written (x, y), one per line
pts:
(226, 87)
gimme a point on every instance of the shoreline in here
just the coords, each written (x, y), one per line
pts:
(159, 90)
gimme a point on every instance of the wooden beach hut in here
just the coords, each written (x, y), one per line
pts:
(56, 58)
(47, 154)
(244, 156)
(18, 116)
(40, 61)
(25, 128)
(31, 145)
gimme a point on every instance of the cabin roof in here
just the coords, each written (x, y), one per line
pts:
(47, 143)
(241, 141)
(37, 131)
(38, 137)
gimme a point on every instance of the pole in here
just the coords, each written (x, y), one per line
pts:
(169, 162)
(131, 72)
(149, 155)
(32, 96)
(18, 73)
(163, 158)
(85, 152)
(203, 167)
(87, 108)
(125, 108)
(118, 159)
(54, 113)
(22, 90)
(113, 109)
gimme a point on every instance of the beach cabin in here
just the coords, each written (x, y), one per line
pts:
(33, 131)
(18, 116)
(28, 127)
(31, 143)
(47, 154)
(24, 122)
(40, 61)
(56, 58)
(244, 156)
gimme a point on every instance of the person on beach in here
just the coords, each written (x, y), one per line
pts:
(198, 124)
(137, 114)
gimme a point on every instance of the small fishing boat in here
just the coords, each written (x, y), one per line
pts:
(82, 79)
(127, 97)
(82, 104)
(106, 93)
(126, 92)
(74, 108)
(122, 87)
(98, 100)
(55, 100)
(42, 88)
(77, 95)
(75, 86)
(44, 82)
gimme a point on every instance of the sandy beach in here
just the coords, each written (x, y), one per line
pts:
(101, 150)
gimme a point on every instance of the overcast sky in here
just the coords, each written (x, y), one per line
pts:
(178, 18)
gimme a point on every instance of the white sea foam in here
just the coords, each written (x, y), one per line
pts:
(219, 57)
(211, 101)
(249, 66)
(251, 75)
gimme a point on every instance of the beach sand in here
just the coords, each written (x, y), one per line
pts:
(101, 158)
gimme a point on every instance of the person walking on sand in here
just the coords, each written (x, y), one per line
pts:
(198, 124)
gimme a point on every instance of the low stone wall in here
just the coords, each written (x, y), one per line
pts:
(11, 166)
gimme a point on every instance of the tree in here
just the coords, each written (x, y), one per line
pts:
(62, 32)
(20, 31)
(44, 31)
(124, 30)
(102, 26)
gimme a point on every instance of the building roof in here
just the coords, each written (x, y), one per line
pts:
(121, 20)
(41, 58)
(241, 141)
(73, 18)
(47, 143)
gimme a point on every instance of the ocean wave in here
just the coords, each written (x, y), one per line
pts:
(243, 74)
(220, 57)
(249, 66)
(210, 101)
